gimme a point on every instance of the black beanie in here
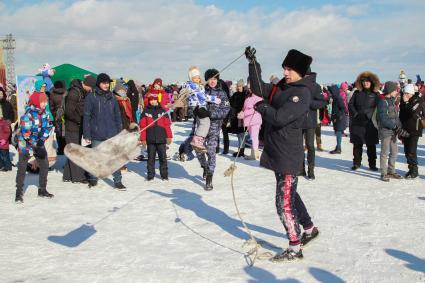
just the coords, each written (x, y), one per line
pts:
(212, 73)
(59, 84)
(102, 78)
(297, 61)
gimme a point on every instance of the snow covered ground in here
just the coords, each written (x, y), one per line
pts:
(175, 231)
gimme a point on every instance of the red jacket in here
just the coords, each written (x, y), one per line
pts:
(159, 131)
(4, 134)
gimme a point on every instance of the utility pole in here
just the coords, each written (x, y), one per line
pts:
(9, 45)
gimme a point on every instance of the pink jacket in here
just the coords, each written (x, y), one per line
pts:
(4, 134)
(251, 117)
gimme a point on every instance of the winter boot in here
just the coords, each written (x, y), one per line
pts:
(19, 198)
(198, 144)
(120, 186)
(319, 147)
(226, 147)
(355, 166)
(208, 183)
(337, 150)
(287, 255)
(302, 173)
(372, 165)
(251, 156)
(44, 193)
(310, 173)
(204, 173)
(385, 178)
(413, 172)
(306, 237)
(92, 183)
(241, 153)
(394, 176)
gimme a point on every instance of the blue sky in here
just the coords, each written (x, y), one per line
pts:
(146, 39)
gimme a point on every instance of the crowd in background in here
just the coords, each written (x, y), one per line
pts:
(372, 111)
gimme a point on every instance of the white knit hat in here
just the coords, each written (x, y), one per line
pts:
(409, 88)
(193, 72)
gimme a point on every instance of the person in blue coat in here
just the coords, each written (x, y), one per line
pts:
(102, 120)
(338, 116)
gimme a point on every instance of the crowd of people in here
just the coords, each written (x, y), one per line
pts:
(279, 120)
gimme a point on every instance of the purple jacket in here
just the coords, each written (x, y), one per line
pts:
(251, 117)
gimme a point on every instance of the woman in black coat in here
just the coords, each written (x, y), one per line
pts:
(412, 111)
(361, 106)
(236, 125)
(133, 95)
(338, 117)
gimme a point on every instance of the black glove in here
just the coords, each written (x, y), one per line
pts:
(40, 150)
(400, 132)
(261, 106)
(250, 54)
(201, 112)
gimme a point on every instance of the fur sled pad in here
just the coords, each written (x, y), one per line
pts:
(109, 156)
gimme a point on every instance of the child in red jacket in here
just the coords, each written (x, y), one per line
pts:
(156, 136)
(5, 163)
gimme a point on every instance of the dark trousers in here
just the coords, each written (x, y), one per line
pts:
(161, 149)
(290, 207)
(225, 132)
(410, 151)
(309, 142)
(358, 151)
(5, 163)
(178, 114)
(43, 166)
(71, 170)
(318, 132)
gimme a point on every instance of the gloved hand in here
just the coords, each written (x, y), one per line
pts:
(250, 54)
(201, 112)
(400, 132)
(261, 106)
(40, 150)
(169, 140)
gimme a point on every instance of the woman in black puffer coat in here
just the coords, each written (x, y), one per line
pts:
(361, 106)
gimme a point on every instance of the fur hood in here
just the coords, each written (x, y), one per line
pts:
(372, 77)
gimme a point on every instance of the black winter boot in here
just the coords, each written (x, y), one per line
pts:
(225, 147)
(241, 153)
(413, 172)
(310, 173)
(337, 150)
(19, 195)
(208, 183)
(44, 193)
(204, 173)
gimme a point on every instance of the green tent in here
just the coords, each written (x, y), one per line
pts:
(69, 72)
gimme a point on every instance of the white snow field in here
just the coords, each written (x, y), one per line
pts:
(370, 231)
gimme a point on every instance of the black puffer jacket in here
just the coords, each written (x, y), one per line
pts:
(361, 106)
(74, 108)
(411, 113)
(236, 102)
(317, 101)
(284, 119)
(339, 114)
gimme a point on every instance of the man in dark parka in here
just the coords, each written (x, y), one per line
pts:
(284, 110)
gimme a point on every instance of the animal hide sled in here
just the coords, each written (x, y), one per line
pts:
(109, 156)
